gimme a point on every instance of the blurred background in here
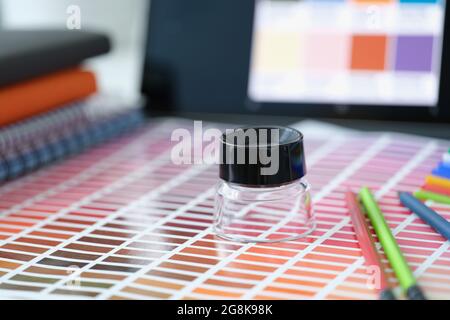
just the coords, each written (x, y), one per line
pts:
(124, 21)
(346, 59)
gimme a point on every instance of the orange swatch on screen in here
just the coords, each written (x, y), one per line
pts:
(42, 94)
(369, 52)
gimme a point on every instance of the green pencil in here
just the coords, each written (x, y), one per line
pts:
(402, 271)
(425, 195)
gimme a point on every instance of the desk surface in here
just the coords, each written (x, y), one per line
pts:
(122, 221)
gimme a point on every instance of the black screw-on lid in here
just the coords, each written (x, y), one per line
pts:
(262, 156)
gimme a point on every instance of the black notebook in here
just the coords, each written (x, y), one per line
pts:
(25, 54)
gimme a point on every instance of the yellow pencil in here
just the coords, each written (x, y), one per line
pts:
(436, 181)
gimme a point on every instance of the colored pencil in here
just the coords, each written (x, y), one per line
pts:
(436, 189)
(425, 195)
(442, 171)
(367, 245)
(438, 181)
(402, 271)
(427, 214)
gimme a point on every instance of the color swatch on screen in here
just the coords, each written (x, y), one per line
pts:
(368, 52)
(355, 51)
(326, 51)
(414, 53)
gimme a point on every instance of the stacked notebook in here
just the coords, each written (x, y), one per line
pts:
(48, 103)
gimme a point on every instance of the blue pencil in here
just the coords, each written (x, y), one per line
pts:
(442, 171)
(428, 215)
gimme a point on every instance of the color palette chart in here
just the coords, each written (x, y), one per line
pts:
(348, 51)
(121, 221)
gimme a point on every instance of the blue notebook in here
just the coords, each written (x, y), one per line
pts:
(38, 141)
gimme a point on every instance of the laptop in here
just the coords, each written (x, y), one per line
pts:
(342, 59)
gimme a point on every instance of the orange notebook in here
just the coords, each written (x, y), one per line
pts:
(45, 93)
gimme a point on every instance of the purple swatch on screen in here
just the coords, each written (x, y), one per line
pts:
(414, 53)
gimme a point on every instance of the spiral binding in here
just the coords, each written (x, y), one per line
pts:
(40, 140)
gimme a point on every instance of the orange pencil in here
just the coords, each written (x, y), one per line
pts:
(437, 181)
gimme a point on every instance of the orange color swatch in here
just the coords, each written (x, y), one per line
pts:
(45, 93)
(369, 52)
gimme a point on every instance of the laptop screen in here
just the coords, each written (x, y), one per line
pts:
(371, 52)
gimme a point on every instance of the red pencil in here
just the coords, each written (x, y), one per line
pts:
(436, 189)
(367, 245)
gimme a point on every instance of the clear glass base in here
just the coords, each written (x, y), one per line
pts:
(252, 214)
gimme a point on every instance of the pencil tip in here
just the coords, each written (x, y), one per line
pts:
(415, 293)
